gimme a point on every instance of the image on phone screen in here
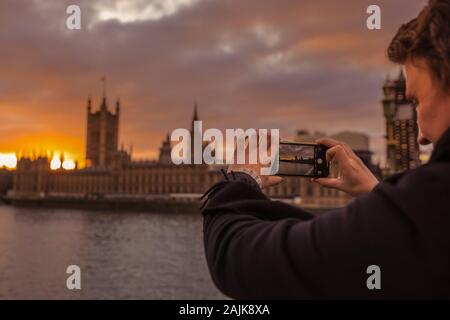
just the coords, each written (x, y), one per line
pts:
(296, 159)
(299, 159)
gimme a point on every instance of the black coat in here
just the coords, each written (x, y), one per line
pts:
(259, 248)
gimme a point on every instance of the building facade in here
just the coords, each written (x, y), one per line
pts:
(6, 181)
(112, 173)
(102, 134)
(402, 149)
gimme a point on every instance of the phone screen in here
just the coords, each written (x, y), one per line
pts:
(298, 159)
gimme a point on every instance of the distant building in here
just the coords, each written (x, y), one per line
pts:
(31, 176)
(401, 127)
(359, 143)
(165, 151)
(6, 181)
(111, 172)
(102, 135)
(308, 137)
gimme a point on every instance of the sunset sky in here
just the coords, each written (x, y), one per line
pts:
(288, 64)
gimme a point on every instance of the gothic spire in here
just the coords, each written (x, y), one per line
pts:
(103, 106)
(117, 106)
(89, 103)
(195, 118)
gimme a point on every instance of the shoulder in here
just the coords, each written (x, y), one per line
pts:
(420, 191)
(433, 175)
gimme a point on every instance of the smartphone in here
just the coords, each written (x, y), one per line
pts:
(303, 159)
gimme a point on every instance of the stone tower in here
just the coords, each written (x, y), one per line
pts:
(102, 134)
(165, 151)
(401, 127)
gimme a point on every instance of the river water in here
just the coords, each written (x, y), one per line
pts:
(121, 255)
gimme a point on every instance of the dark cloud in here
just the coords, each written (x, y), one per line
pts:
(272, 63)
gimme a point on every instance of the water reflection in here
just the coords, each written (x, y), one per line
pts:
(121, 255)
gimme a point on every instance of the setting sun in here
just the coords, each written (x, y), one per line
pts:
(58, 163)
(55, 164)
(8, 160)
(68, 165)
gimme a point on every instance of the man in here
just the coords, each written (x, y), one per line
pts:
(259, 248)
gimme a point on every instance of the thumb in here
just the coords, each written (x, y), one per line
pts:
(271, 181)
(328, 182)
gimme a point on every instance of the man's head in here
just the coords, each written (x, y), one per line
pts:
(423, 47)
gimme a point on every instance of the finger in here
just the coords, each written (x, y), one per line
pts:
(332, 142)
(272, 181)
(276, 179)
(328, 142)
(337, 152)
(328, 182)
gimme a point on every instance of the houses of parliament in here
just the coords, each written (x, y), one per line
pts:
(111, 172)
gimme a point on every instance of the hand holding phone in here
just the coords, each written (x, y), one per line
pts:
(354, 177)
(303, 159)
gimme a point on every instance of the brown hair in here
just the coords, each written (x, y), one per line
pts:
(426, 37)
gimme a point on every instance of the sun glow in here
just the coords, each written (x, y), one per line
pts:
(8, 160)
(68, 165)
(55, 164)
(62, 162)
